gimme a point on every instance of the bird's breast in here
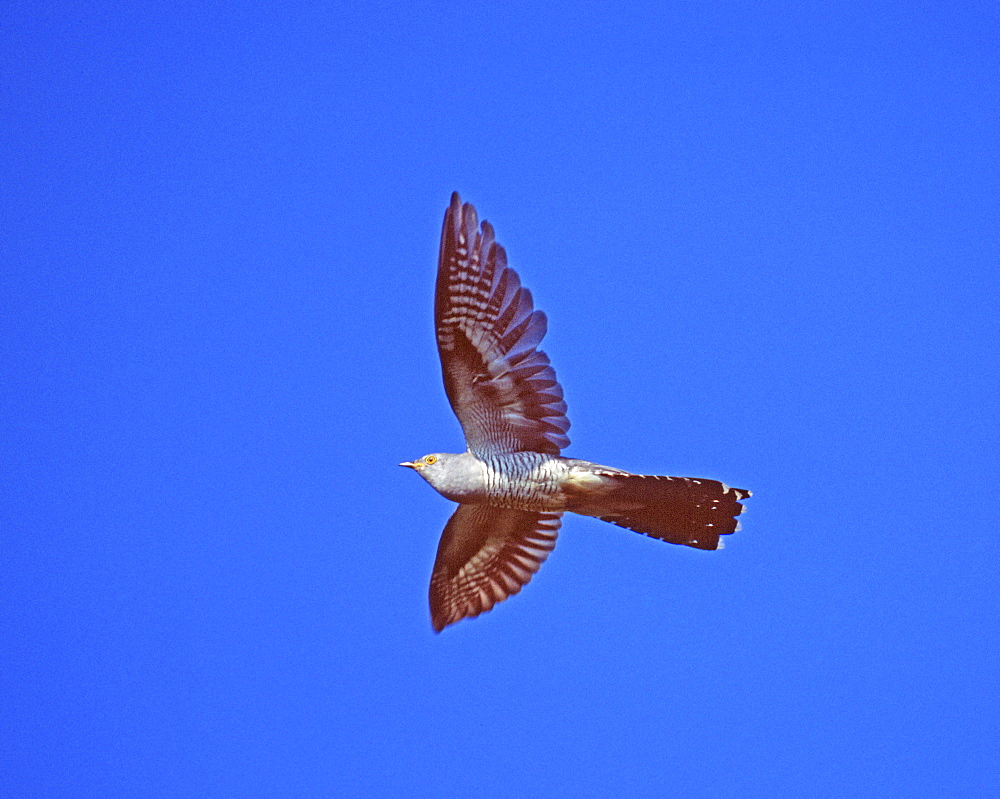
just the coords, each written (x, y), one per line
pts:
(525, 480)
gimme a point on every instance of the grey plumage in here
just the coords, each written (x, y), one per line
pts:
(511, 483)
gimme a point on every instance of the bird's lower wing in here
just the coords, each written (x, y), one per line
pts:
(486, 554)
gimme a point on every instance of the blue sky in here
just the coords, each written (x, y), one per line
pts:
(765, 235)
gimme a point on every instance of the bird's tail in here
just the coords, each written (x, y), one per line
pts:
(680, 510)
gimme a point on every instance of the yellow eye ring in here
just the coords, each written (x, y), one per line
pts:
(430, 459)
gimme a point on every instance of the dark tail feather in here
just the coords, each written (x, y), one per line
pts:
(681, 510)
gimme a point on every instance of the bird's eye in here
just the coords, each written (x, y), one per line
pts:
(430, 459)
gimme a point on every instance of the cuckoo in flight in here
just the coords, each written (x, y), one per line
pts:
(511, 483)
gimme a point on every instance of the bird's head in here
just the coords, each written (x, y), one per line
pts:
(446, 471)
(429, 465)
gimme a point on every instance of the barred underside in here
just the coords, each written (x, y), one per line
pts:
(525, 480)
(501, 387)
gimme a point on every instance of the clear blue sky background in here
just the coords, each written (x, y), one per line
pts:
(766, 237)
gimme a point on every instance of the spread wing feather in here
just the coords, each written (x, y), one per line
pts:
(502, 389)
(487, 554)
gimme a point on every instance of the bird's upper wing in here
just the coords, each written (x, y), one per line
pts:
(486, 554)
(502, 389)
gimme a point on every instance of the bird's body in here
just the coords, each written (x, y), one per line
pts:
(512, 484)
(522, 480)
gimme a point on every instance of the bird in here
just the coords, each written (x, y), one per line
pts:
(511, 484)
